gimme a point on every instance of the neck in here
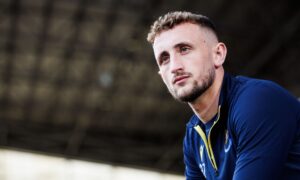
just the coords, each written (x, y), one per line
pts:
(206, 105)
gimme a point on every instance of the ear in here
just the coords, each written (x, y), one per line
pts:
(220, 53)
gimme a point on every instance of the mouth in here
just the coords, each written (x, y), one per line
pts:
(180, 79)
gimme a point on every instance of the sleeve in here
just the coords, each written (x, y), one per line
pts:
(264, 125)
(192, 171)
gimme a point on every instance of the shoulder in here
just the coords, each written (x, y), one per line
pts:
(250, 85)
(240, 89)
(262, 102)
(260, 93)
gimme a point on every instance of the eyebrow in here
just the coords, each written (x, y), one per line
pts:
(181, 44)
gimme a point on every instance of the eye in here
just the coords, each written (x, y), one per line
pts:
(164, 58)
(184, 49)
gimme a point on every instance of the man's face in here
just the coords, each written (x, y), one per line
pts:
(185, 56)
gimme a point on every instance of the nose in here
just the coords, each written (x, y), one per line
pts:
(176, 64)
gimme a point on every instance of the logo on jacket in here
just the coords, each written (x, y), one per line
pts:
(202, 164)
(201, 152)
(227, 143)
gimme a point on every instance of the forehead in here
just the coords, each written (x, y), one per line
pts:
(185, 32)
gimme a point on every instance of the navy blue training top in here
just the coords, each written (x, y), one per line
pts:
(255, 135)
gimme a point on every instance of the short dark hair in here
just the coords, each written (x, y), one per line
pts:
(171, 19)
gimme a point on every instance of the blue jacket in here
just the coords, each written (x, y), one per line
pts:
(255, 134)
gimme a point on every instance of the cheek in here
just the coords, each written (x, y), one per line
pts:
(202, 64)
(164, 76)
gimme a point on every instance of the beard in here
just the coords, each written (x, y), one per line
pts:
(197, 89)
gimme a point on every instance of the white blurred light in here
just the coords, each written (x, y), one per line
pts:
(16, 165)
(105, 79)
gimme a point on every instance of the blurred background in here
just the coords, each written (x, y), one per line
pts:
(79, 81)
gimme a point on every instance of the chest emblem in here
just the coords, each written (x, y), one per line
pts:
(201, 152)
(227, 143)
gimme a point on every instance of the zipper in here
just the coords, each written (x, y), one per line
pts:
(207, 141)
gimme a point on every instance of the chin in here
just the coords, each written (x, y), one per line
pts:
(191, 93)
(186, 96)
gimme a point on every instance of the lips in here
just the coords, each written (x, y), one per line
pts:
(179, 79)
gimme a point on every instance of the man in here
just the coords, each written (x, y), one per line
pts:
(242, 128)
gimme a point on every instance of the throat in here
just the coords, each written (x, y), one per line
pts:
(206, 113)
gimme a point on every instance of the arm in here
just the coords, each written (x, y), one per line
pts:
(264, 126)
